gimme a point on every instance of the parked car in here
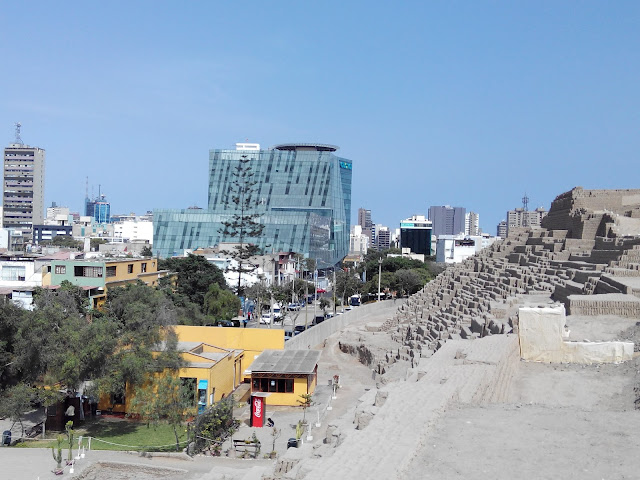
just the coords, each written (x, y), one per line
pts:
(318, 319)
(293, 307)
(266, 319)
(224, 323)
(298, 329)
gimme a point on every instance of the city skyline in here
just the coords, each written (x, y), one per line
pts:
(473, 104)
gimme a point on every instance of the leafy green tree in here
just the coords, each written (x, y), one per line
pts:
(146, 251)
(164, 398)
(95, 243)
(194, 276)
(143, 316)
(324, 304)
(49, 346)
(16, 402)
(408, 281)
(243, 225)
(347, 284)
(221, 304)
(11, 317)
(64, 241)
(387, 282)
(214, 425)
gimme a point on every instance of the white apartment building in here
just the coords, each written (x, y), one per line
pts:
(472, 223)
(525, 218)
(134, 230)
(358, 241)
(454, 248)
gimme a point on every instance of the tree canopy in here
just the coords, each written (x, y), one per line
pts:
(194, 276)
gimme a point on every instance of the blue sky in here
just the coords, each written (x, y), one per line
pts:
(462, 103)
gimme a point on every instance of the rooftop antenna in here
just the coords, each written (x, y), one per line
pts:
(18, 139)
(86, 188)
(525, 202)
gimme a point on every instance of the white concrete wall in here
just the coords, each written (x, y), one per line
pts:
(318, 334)
(542, 333)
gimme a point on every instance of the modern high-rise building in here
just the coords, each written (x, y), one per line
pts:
(415, 234)
(302, 195)
(472, 223)
(364, 220)
(23, 186)
(383, 237)
(98, 209)
(501, 229)
(447, 220)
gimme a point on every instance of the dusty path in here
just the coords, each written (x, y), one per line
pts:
(561, 421)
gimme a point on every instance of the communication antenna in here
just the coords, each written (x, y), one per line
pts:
(525, 202)
(86, 188)
(18, 139)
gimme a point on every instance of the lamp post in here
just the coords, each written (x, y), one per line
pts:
(333, 287)
(379, 275)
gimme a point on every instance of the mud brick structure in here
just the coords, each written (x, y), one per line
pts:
(586, 256)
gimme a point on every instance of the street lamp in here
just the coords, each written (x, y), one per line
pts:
(379, 275)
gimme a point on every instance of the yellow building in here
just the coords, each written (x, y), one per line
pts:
(251, 341)
(285, 374)
(218, 360)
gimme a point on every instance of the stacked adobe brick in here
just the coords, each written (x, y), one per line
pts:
(480, 296)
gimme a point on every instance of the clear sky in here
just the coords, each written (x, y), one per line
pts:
(465, 103)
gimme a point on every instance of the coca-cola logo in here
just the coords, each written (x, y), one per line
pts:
(257, 407)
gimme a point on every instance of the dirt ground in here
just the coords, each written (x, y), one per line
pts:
(561, 421)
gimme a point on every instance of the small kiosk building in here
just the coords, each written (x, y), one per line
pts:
(285, 375)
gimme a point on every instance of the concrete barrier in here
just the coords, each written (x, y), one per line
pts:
(319, 333)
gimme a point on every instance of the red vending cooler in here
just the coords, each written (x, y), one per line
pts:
(258, 409)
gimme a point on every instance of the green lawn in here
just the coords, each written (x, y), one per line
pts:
(123, 435)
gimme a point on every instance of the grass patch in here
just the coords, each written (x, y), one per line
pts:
(126, 434)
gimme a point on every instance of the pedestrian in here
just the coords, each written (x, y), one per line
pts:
(69, 414)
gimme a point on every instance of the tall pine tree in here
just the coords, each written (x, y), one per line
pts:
(244, 225)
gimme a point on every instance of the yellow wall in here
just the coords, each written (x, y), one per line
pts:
(250, 340)
(291, 399)
(105, 404)
(122, 268)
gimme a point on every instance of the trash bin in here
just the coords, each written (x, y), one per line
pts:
(6, 437)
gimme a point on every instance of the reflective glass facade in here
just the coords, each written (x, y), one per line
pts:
(303, 193)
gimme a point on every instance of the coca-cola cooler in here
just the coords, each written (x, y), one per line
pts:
(258, 409)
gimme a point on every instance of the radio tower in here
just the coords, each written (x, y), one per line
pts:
(525, 202)
(18, 139)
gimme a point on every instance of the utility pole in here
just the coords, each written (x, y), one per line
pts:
(334, 290)
(315, 290)
(379, 275)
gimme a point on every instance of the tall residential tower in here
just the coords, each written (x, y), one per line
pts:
(23, 186)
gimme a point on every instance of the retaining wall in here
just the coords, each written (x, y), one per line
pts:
(319, 333)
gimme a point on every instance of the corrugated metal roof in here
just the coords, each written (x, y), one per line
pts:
(286, 361)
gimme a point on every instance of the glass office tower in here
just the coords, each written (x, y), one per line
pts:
(303, 194)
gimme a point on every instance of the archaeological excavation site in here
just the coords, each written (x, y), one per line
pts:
(520, 362)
